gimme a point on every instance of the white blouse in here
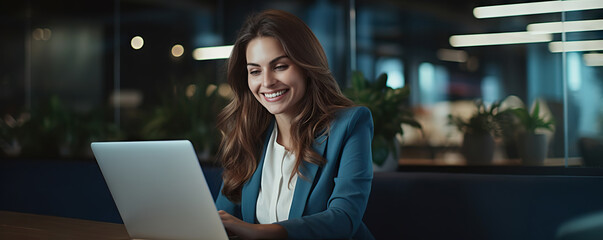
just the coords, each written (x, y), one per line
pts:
(276, 192)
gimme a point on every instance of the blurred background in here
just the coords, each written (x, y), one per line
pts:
(74, 72)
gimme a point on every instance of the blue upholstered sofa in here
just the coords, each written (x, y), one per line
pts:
(403, 205)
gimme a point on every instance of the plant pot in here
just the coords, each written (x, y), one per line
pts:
(391, 162)
(478, 148)
(532, 148)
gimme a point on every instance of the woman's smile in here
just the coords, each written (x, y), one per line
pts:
(275, 96)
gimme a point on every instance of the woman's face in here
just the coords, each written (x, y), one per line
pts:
(275, 81)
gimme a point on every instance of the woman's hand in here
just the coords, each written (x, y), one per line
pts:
(245, 230)
(235, 226)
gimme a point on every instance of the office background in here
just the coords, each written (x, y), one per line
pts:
(73, 72)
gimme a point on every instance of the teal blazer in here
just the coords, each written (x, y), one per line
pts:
(329, 200)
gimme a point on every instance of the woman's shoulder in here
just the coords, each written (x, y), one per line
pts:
(352, 112)
(351, 116)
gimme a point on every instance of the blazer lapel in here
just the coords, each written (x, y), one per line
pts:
(251, 189)
(303, 186)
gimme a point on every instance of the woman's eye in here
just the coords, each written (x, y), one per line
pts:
(281, 67)
(254, 72)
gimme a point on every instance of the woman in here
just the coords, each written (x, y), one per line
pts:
(296, 154)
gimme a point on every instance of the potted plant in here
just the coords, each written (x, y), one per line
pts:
(388, 107)
(52, 129)
(531, 144)
(479, 132)
(188, 112)
(10, 128)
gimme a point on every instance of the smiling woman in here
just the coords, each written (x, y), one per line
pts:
(276, 82)
(296, 154)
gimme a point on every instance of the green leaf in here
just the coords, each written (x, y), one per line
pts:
(358, 81)
(388, 107)
(532, 121)
(536, 111)
(381, 82)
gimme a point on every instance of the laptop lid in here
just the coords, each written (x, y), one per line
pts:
(159, 189)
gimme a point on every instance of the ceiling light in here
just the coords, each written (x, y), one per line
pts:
(177, 50)
(486, 39)
(576, 46)
(593, 59)
(573, 26)
(519, 9)
(37, 34)
(47, 33)
(208, 53)
(137, 42)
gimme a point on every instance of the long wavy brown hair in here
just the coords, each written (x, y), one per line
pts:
(244, 121)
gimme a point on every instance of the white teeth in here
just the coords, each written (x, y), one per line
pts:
(276, 94)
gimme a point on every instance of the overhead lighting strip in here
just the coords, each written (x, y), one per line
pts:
(593, 59)
(519, 9)
(571, 26)
(487, 39)
(576, 46)
(209, 53)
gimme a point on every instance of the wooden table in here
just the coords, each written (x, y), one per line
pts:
(14, 225)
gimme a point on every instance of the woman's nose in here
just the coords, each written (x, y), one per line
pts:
(268, 79)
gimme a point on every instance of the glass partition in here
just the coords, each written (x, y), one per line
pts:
(499, 83)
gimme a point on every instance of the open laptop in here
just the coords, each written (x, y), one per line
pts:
(159, 189)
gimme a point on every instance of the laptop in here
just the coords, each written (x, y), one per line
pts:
(159, 189)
